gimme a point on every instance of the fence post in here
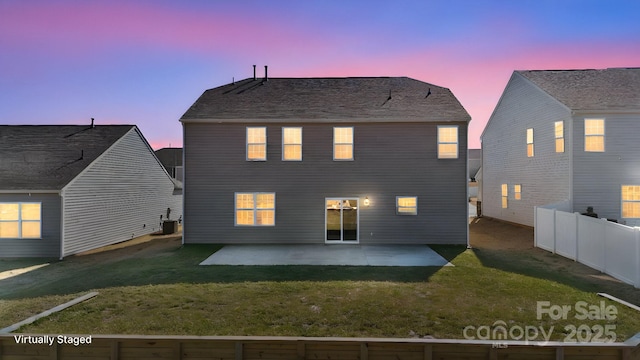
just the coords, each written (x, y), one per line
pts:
(553, 225)
(604, 238)
(535, 226)
(636, 230)
(576, 216)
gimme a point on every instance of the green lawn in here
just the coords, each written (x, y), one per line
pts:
(168, 293)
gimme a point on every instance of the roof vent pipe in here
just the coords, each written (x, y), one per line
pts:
(92, 126)
(254, 72)
(266, 78)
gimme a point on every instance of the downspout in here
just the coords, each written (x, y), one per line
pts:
(61, 224)
(571, 155)
(466, 174)
(184, 188)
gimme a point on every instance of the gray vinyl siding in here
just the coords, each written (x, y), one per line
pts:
(49, 244)
(118, 197)
(598, 176)
(390, 159)
(546, 177)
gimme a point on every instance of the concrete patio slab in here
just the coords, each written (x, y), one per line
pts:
(348, 255)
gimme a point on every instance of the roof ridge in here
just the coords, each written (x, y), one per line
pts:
(585, 69)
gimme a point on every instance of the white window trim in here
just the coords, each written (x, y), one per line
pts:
(246, 135)
(604, 131)
(408, 207)
(285, 144)
(353, 135)
(457, 143)
(622, 201)
(255, 209)
(20, 221)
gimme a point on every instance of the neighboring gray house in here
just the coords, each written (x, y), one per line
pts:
(326, 160)
(171, 159)
(475, 162)
(567, 138)
(68, 189)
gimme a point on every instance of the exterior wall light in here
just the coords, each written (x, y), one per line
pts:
(366, 201)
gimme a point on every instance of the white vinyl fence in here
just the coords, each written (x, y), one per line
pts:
(603, 245)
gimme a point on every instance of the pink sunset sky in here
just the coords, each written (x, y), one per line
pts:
(146, 62)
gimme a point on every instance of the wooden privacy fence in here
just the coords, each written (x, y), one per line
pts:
(124, 347)
(600, 244)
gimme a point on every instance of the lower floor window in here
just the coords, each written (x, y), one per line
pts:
(517, 192)
(505, 193)
(20, 220)
(631, 201)
(406, 205)
(255, 209)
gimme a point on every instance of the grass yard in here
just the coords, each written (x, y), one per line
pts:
(158, 288)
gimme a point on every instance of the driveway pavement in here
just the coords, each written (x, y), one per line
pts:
(351, 255)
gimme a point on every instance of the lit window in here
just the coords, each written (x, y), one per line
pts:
(559, 132)
(529, 142)
(20, 220)
(594, 135)
(447, 142)
(291, 143)
(406, 205)
(505, 193)
(255, 209)
(631, 201)
(517, 192)
(343, 143)
(256, 143)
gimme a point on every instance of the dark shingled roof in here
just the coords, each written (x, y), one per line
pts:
(48, 157)
(606, 89)
(170, 157)
(331, 99)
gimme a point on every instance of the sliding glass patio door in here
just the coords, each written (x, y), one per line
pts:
(341, 220)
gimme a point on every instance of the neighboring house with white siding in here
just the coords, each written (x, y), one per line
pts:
(68, 189)
(326, 161)
(568, 138)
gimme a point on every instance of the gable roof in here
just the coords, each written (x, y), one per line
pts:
(169, 157)
(362, 99)
(47, 157)
(614, 89)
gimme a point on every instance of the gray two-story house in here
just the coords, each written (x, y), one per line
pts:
(567, 139)
(378, 160)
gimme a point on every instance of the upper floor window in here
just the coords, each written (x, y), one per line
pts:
(343, 143)
(505, 193)
(530, 142)
(406, 205)
(256, 143)
(255, 209)
(447, 142)
(292, 143)
(20, 220)
(630, 201)
(559, 133)
(594, 135)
